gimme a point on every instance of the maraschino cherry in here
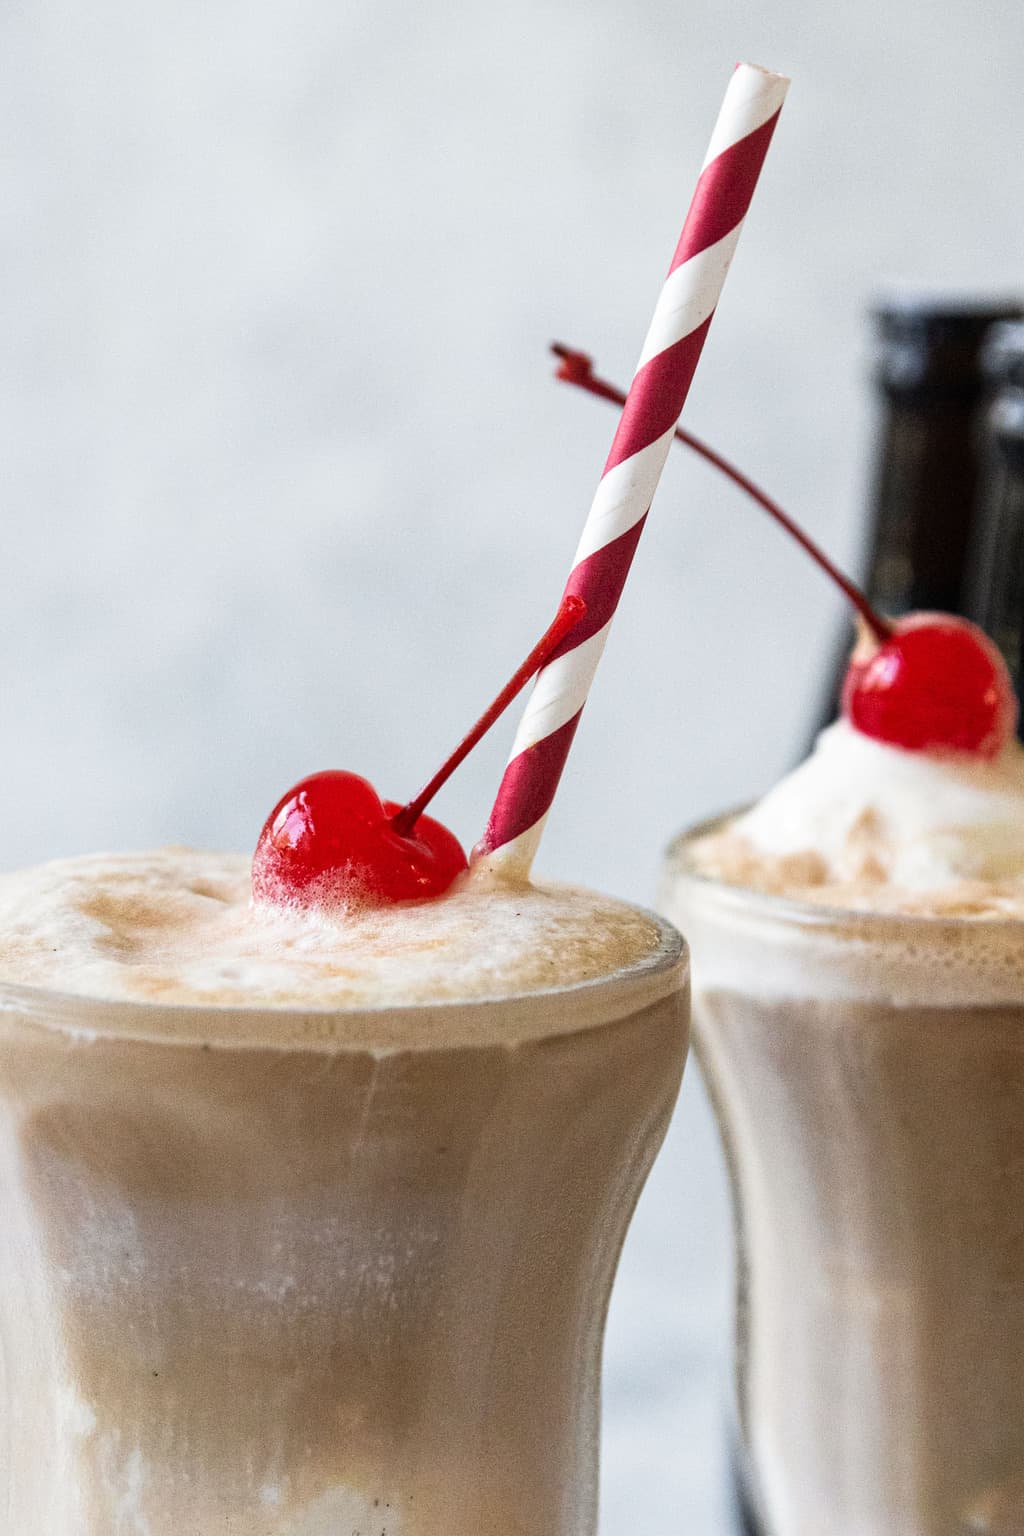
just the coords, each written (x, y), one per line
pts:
(928, 682)
(934, 683)
(332, 841)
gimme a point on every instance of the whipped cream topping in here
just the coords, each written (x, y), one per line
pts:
(866, 825)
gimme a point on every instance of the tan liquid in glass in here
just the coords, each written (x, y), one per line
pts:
(867, 1073)
(290, 1272)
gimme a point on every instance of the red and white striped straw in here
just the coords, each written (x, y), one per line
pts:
(656, 397)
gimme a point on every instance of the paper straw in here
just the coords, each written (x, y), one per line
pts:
(656, 397)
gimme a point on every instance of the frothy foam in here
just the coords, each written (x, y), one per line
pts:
(177, 927)
(756, 943)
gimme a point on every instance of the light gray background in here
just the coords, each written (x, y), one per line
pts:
(285, 482)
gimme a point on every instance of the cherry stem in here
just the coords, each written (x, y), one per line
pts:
(570, 611)
(577, 368)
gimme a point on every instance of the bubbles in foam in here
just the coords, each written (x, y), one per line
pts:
(776, 946)
(177, 926)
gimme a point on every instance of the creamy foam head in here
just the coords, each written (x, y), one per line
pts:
(868, 873)
(177, 927)
(867, 826)
(766, 945)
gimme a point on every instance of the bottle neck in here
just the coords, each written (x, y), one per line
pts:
(930, 382)
(995, 598)
(925, 488)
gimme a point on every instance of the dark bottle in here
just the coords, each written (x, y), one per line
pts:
(928, 375)
(996, 591)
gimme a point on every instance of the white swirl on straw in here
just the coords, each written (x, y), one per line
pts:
(689, 295)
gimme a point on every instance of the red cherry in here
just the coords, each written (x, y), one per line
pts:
(935, 684)
(331, 840)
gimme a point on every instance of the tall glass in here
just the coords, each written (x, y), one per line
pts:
(254, 1286)
(867, 1073)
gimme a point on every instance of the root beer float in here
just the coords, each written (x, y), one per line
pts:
(858, 942)
(858, 965)
(315, 1170)
(315, 1174)
(310, 1223)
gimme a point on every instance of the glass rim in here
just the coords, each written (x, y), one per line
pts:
(648, 980)
(771, 905)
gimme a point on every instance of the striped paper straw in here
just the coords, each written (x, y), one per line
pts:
(656, 396)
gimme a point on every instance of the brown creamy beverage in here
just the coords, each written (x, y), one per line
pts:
(858, 960)
(310, 1225)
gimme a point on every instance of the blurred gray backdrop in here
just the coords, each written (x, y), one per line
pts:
(286, 483)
